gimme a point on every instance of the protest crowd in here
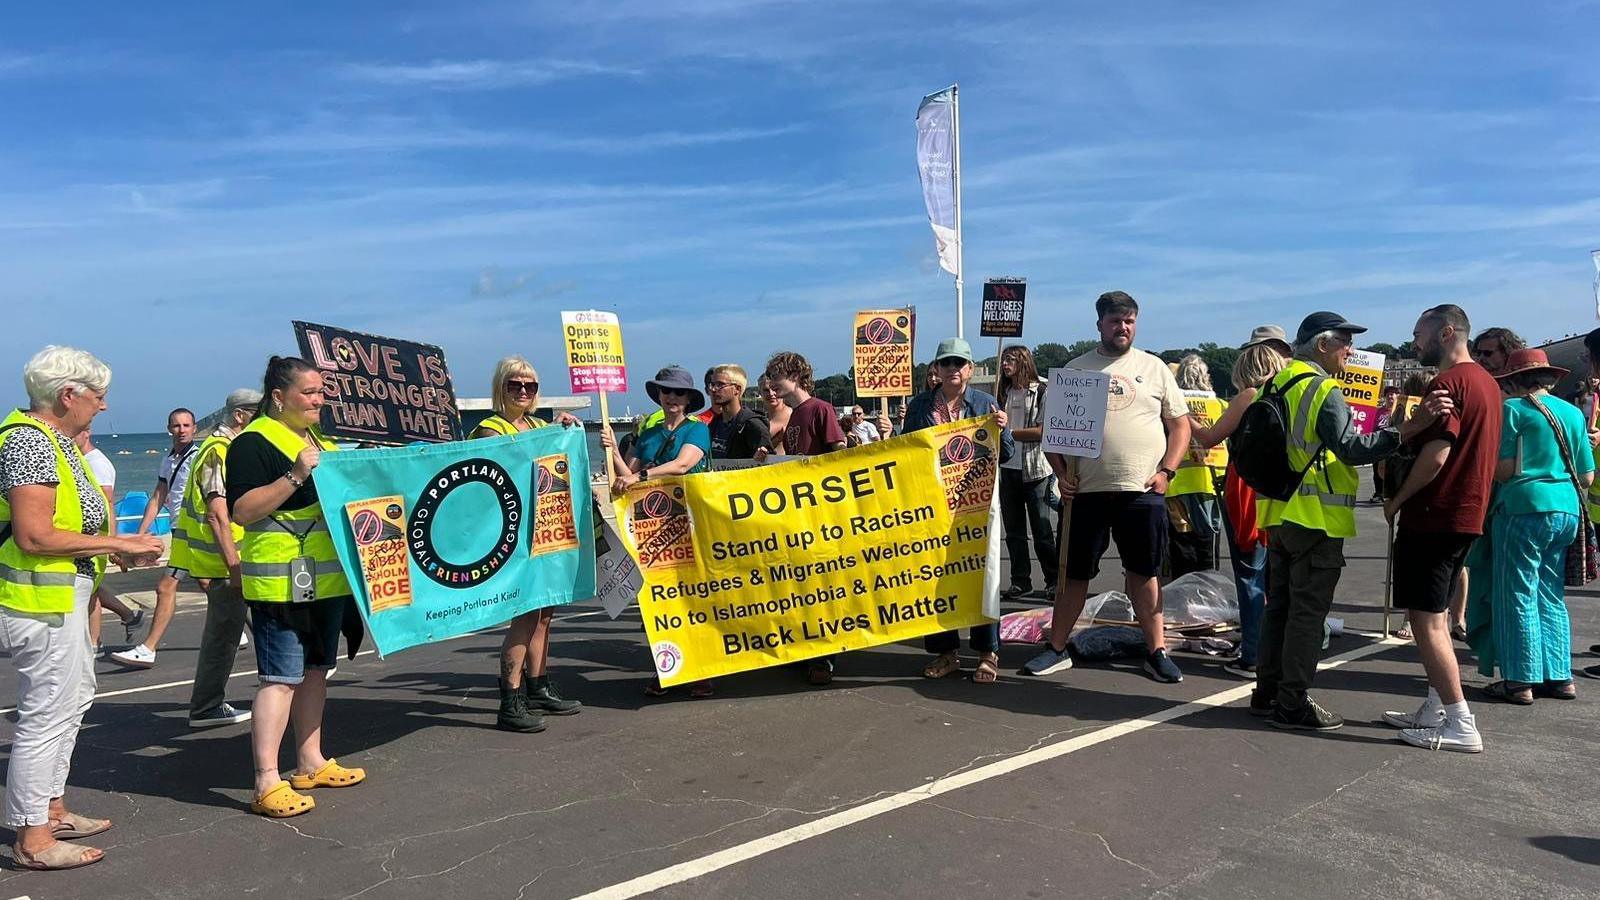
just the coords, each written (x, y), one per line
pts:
(1485, 476)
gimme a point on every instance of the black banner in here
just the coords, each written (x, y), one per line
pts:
(1003, 301)
(380, 390)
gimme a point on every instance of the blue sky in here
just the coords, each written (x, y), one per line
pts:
(737, 177)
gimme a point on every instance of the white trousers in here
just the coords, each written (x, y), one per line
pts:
(55, 684)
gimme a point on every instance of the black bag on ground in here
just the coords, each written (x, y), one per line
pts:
(1259, 447)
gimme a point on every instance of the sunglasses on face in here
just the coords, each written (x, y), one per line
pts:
(514, 386)
(951, 362)
(673, 392)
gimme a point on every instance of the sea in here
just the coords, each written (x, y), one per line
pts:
(138, 457)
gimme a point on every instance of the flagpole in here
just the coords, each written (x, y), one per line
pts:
(955, 112)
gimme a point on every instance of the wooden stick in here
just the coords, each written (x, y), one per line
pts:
(1388, 584)
(605, 422)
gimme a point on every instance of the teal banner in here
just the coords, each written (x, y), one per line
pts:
(440, 540)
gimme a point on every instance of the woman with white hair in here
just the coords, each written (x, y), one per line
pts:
(527, 694)
(54, 537)
(1192, 518)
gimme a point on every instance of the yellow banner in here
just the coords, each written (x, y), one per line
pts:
(751, 568)
(883, 339)
(1362, 378)
(1408, 405)
(1205, 408)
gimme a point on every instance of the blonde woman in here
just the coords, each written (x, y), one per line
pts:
(1192, 519)
(526, 692)
(1261, 358)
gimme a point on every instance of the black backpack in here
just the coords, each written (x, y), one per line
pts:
(1259, 447)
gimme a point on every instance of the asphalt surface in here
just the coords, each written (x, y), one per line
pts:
(1096, 782)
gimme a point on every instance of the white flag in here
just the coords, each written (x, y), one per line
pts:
(936, 166)
(1595, 255)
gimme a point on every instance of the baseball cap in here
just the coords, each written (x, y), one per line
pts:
(243, 398)
(953, 347)
(1318, 322)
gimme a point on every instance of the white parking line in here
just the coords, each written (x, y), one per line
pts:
(172, 684)
(722, 859)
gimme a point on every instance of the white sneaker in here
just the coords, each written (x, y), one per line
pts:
(1460, 736)
(244, 640)
(140, 657)
(1428, 715)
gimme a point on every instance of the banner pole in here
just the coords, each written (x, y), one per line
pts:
(955, 180)
(1388, 584)
(1063, 535)
(605, 422)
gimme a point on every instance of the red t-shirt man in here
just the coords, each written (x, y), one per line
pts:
(814, 429)
(1457, 499)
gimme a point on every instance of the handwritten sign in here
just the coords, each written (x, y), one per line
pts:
(594, 351)
(1075, 412)
(1003, 302)
(380, 390)
(1362, 382)
(883, 341)
(617, 576)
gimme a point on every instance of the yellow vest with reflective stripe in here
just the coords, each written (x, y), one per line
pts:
(1326, 498)
(271, 544)
(500, 425)
(43, 584)
(194, 544)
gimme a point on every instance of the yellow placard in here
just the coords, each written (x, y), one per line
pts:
(1206, 409)
(1409, 404)
(883, 341)
(750, 568)
(554, 527)
(594, 351)
(1362, 378)
(379, 527)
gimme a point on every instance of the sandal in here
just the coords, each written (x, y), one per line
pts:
(1404, 633)
(1556, 690)
(944, 664)
(282, 802)
(56, 857)
(330, 775)
(1504, 692)
(73, 826)
(988, 669)
(700, 690)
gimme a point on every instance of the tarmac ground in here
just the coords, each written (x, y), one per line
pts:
(1096, 782)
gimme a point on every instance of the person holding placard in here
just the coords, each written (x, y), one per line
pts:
(678, 445)
(1306, 533)
(1025, 476)
(527, 694)
(1121, 494)
(953, 401)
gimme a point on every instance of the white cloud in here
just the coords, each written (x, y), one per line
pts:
(482, 74)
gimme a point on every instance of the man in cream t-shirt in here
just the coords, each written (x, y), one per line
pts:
(1121, 494)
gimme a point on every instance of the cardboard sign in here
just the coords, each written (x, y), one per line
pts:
(381, 390)
(1003, 301)
(1362, 382)
(378, 527)
(883, 343)
(594, 351)
(617, 577)
(1075, 412)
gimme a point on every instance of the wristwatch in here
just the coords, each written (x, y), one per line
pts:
(643, 474)
(1170, 473)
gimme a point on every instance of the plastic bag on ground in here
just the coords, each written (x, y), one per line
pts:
(1199, 598)
(1113, 605)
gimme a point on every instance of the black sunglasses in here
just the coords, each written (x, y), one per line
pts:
(513, 386)
(951, 362)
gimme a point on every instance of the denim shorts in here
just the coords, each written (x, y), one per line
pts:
(280, 650)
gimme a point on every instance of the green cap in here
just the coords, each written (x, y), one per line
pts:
(953, 347)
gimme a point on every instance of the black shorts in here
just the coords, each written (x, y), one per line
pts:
(1426, 566)
(1138, 522)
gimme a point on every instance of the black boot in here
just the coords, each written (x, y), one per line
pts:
(514, 712)
(542, 697)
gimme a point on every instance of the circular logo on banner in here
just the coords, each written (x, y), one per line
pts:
(667, 657)
(959, 449)
(419, 530)
(879, 331)
(366, 526)
(902, 321)
(656, 504)
(546, 480)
